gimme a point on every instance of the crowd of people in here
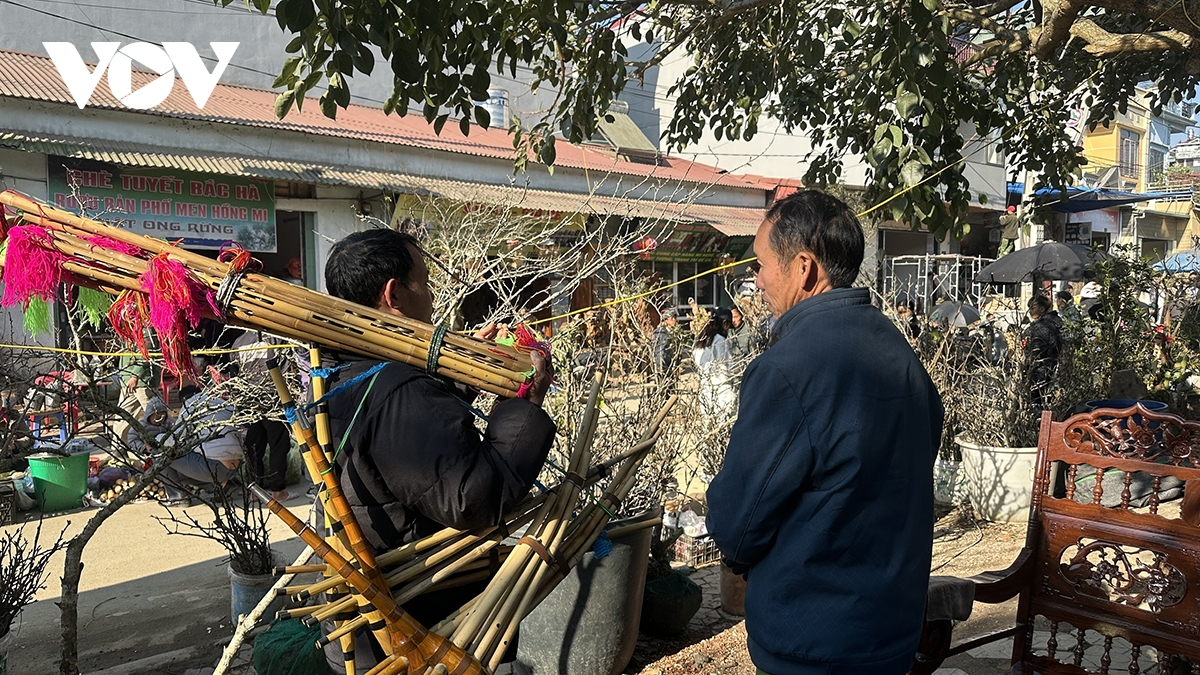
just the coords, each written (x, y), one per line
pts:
(825, 501)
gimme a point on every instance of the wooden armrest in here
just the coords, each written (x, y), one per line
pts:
(1001, 585)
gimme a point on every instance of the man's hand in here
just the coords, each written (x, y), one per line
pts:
(131, 385)
(492, 331)
(543, 375)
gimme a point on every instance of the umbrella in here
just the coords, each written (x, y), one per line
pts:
(957, 314)
(1049, 260)
(1184, 261)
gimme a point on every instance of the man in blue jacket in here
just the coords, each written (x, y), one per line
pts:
(825, 501)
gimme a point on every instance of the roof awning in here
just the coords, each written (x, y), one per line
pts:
(729, 220)
(1078, 199)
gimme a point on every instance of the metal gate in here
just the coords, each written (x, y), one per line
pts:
(925, 280)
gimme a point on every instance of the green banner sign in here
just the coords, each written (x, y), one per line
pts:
(205, 211)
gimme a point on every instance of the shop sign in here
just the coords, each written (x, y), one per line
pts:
(204, 211)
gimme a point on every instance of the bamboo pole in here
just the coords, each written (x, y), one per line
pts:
(298, 322)
(39, 213)
(407, 636)
(499, 367)
(337, 500)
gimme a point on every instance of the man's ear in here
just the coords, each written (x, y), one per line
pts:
(389, 296)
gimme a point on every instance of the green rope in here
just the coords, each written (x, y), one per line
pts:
(346, 434)
(435, 348)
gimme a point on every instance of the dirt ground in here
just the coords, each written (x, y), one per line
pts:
(962, 546)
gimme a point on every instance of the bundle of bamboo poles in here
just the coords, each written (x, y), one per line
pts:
(560, 528)
(265, 303)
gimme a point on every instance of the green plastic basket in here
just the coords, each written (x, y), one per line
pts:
(59, 483)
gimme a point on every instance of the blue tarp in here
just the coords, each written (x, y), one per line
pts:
(1080, 199)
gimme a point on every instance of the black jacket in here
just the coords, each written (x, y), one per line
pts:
(413, 462)
(826, 495)
(1043, 340)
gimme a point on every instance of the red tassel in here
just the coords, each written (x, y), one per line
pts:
(177, 300)
(130, 317)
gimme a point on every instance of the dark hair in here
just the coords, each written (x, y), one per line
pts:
(823, 225)
(1041, 302)
(360, 265)
(188, 392)
(1065, 295)
(719, 324)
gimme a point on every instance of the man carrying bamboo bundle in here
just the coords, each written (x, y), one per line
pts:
(410, 459)
(825, 500)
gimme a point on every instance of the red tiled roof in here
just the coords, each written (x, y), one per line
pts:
(32, 76)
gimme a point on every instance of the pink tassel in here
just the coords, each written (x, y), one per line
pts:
(102, 241)
(33, 267)
(177, 299)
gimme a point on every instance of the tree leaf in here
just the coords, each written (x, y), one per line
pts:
(911, 172)
(283, 103)
(906, 102)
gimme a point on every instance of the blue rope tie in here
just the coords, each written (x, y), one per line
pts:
(347, 384)
(325, 373)
(290, 413)
(602, 546)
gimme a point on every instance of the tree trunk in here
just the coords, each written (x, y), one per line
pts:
(73, 569)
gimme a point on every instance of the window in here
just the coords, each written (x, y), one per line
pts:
(1156, 167)
(1155, 249)
(1131, 141)
(995, 154)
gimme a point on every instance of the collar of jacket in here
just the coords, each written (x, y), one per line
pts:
(837, 298)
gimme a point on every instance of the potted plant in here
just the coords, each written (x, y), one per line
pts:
(983, 375)
(239, 524)
(22, 574)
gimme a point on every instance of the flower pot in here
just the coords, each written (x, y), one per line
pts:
(733, 592)
(669, 605)
(246, 590)
(6, 643)
(947, 482)
(589, 624)
(998, 481)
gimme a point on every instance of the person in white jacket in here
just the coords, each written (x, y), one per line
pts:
(713, 356)
(217, 454)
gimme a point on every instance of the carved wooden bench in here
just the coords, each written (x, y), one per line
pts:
(1102, 589)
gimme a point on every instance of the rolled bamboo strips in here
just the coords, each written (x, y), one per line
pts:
(341, 315)
(296, 612)
(408, 637)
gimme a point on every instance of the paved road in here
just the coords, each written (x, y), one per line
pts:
(149, 601)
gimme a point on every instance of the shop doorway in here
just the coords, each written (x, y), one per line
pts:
(292, 240)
